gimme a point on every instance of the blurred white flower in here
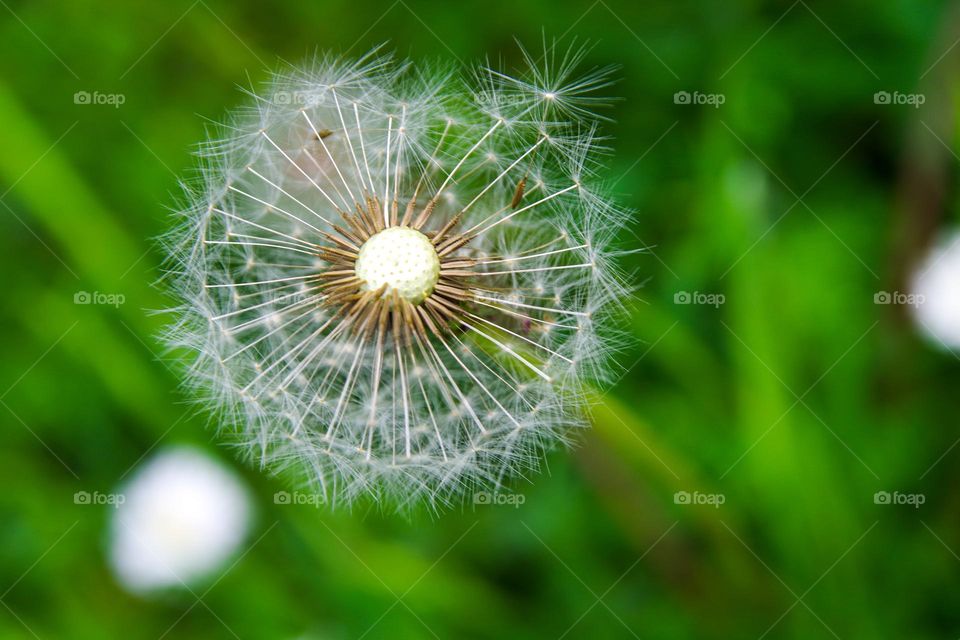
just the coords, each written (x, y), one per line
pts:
(182, 516)
(936, 286)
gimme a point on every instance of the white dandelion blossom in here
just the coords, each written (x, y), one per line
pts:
(394, 281)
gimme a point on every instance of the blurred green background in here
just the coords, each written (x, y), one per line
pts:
(793, 399)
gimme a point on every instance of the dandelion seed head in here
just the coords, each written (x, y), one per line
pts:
(935, 292)
(395, 283)
(181, 517)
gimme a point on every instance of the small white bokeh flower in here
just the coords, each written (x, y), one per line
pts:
(396, 281)
(936, 288)
(182, 516)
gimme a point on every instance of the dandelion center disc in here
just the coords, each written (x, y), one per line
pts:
(401, 258)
